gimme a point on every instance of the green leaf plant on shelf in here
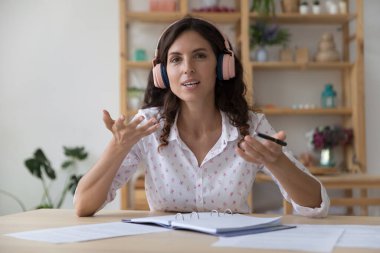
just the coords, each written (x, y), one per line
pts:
(263, 7)
(325, 138)
(135, 97)
(40, 166)
(263, 34)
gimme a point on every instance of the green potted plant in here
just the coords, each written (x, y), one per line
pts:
(263, 7)
(135, 97)
(40, 166)
(263, 34)
(316, 8)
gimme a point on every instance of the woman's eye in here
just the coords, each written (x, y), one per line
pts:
(175, 60)
(200, 56)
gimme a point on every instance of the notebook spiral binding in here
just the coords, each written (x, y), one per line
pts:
(196, 214)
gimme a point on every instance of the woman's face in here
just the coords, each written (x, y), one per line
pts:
(191, 68)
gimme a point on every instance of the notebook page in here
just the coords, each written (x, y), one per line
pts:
(164, 220)
(225, 222)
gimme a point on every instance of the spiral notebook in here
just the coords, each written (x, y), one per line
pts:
(215, 223)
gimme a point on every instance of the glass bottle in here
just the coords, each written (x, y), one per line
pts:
(328, 96)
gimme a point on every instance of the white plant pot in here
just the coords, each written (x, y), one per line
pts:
(261, 54)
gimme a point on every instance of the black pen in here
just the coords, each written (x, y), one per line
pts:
(270, 138)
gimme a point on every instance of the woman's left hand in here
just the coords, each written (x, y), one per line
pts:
(266, 152)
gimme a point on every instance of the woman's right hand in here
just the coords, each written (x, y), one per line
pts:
(128, 134)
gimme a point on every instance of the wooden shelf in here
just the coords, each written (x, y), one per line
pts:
(139, 64)
(153, 17)
(315, 170)
(316, 111)
(165, 17)
(218, 17)
(339, 180)
(290, 111)
(310, 19)
(301, 66)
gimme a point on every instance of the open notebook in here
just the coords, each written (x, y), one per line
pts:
(223, 224)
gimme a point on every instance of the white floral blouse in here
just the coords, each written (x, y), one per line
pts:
(175, 182)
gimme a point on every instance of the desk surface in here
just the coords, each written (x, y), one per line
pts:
(173, 241)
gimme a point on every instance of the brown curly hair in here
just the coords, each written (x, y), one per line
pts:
(229, 94)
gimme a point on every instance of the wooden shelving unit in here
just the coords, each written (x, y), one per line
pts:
(317, 111)
(301, 66)
(308, 19)
(351, 111)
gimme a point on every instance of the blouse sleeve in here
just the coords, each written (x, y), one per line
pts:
(264, 126)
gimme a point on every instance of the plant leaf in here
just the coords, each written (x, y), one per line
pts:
(34, 167)
(49, 171)
(44, 163)
(76, 152)
(67, 164)
(44, 206)
(73, 183)
(40, 156)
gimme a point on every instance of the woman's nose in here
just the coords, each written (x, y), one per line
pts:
(189, 67)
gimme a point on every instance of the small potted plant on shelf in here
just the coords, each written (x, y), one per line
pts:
(135, 96)
(213, 6)
(304, 8)
(263, 7)
(325, 138)
(316, 8)
(263, 34)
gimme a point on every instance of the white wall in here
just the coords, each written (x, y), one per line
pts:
(372, 88)
(59, 68)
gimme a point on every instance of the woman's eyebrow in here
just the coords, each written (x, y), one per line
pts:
(194, 51)
(199, 49)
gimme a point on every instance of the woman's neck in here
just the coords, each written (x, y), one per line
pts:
(198, 120)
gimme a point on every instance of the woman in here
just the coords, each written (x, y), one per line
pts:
(196, 136)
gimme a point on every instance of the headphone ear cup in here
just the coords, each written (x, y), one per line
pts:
(219, 67)
(230, 62)
(165, 78)
(160, 77)
(226, 67)
(157, 78)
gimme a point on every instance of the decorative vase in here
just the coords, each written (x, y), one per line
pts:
(304, 8)
(327, 158)
(326, 51)
(316, 9)
(261, 54)
(328, 96)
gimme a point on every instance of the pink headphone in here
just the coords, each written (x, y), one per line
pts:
(225, 68)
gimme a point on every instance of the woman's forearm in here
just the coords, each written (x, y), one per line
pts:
(93, 187)
(301, 187)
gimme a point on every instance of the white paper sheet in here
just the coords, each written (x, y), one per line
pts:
(310, 238)
(359, 236)
(87, 232)
(304, 237)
